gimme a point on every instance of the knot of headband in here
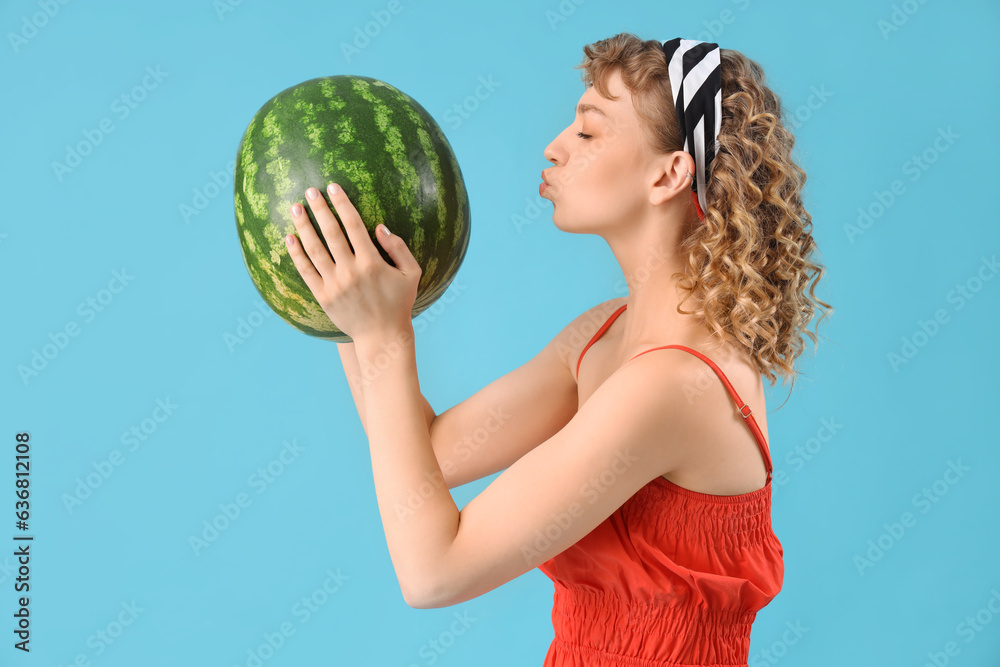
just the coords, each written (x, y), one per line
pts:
(695, 72)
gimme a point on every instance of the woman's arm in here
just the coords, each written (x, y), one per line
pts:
(547, 500)
(500, 423)
(352, 371)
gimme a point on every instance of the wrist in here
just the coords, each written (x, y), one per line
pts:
(388, 341)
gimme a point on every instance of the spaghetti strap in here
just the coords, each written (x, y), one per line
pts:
(600, 332)
(742, 407)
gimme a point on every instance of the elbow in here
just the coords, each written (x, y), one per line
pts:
(419, 603)
(418, 600)
(412, 596)
(426, 596)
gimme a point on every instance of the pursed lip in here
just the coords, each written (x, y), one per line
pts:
(545, 180)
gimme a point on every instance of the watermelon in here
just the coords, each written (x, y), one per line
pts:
(391, 158)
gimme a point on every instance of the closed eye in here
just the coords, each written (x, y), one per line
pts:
(582, 135)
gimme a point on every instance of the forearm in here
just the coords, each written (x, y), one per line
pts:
(355, 379)
(418, 513)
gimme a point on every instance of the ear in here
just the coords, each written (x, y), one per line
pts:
(671, 178)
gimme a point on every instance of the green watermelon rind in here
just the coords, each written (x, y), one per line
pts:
(371, 164)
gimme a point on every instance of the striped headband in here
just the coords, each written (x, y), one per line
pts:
(695, 73)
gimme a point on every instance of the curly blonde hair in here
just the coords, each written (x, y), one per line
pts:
(749, 261)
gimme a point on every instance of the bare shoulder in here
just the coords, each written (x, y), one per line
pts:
(642, 402)
(569, 342)
(714, 450)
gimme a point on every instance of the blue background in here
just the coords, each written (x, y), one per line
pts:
(887, 94)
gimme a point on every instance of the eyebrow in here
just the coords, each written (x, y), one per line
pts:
(583, 107)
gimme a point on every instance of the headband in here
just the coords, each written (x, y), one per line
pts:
(695, 73)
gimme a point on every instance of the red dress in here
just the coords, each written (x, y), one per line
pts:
(673, 577)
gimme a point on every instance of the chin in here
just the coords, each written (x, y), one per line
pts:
(578, 224)
(560, 225)
(565, 221)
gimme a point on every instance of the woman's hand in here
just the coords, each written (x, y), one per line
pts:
(360, 292)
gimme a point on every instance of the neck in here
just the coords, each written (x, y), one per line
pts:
(649, 258)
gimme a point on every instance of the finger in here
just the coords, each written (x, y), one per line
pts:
(311, 242)
(398, 251)
(314, 281)
(329, 226)
(355, 226)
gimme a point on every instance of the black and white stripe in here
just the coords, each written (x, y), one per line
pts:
(695, 72)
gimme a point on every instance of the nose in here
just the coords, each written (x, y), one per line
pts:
(549, 155)
(551, 152)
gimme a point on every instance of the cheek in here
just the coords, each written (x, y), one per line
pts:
(606, 156)
(610, 174)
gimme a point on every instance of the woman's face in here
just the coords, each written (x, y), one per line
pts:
(596, 180)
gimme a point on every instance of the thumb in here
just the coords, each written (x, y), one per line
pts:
(397, 249)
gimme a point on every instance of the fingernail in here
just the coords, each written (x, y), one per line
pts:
(289, 240)
(296, 210)
(385, 230)
(312, 193)
(333, 188)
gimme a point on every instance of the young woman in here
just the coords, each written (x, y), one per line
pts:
(634, 449)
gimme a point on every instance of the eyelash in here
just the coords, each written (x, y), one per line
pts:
(582, 135)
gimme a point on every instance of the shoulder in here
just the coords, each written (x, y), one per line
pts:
(569, 342)
(646, 403)
(693, 393)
